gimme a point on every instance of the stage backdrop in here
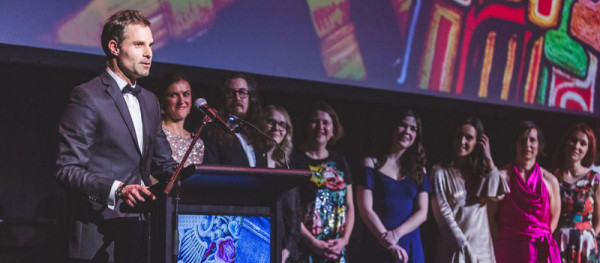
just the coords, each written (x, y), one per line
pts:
(528, 53)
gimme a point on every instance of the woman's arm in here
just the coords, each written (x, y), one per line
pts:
(596, 214)
(493, 204)
(416, 219)
(336, 245)
(349, 214)
(492, 209)
(554, 193)
(364, 199)
(444, 216)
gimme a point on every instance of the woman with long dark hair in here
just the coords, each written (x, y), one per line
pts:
(579, 221)
(462, 188)
(392, 195)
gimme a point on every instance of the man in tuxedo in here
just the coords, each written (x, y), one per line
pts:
(237, 96)
(111, 140)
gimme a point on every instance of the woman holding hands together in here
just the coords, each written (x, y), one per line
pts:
(392, 195)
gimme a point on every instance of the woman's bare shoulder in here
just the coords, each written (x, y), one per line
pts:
(549, 177)
(368, 162)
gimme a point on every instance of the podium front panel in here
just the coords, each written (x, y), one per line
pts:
(223, 214)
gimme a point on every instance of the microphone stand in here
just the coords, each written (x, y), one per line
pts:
(175, 176)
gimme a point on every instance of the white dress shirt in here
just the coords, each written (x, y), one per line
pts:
(133, 104)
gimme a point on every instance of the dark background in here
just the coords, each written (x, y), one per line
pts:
(35, 84)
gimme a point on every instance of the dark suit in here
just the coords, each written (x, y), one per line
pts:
(223, 149)
(97, 146)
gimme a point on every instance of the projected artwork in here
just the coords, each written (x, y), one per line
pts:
(169, 19)
(540, 54)
(518, 51)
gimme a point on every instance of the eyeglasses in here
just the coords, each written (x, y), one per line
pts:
(230, 93)
(281, 124)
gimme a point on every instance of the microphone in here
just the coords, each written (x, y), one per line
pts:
(228, 125)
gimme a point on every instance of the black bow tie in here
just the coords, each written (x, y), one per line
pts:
(134, 91)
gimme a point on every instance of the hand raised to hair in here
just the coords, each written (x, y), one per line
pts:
(484, 141)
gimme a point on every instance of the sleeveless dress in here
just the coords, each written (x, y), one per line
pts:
(524, 233)
(575, 235)
(394, 202)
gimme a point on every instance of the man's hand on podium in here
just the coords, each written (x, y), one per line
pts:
(137, 196)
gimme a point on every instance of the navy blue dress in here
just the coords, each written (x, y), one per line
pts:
(394, 202)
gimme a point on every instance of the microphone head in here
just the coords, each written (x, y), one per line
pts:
(199, 104)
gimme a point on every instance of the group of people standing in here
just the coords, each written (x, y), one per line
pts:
(520, 212)
(112, 138)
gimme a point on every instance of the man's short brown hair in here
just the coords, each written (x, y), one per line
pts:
(114, 27)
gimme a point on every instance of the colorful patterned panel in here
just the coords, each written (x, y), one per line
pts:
(168, 18)
(488, 56)
(402, 12)
(544, 13)
(71, 32)
(329, 15)
(509, 67)
(533, 72)
(473, 19)
(407, 30)
(442, 43)
(185, 18)
(341, 55)
(562, 50)
(464, 3)
(339, 47)
(568, 92)
(585, 22)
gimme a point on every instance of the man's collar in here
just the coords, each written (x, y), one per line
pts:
(120, 82)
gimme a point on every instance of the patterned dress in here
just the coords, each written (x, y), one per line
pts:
(575, 234)
(323, 199)
(179, 146)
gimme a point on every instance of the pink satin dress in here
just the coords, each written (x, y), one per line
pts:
(524, 233)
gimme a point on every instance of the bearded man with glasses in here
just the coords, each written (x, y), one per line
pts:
(237, 96)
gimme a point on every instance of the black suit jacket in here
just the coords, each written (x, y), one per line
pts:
(97, 146)
(223, 149)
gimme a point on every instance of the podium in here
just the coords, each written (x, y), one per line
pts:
(238, 204)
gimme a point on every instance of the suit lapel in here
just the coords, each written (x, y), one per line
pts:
(113, 90)
(145, 120)
(147, 128)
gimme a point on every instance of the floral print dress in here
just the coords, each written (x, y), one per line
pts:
(575, 234)
(323, 199)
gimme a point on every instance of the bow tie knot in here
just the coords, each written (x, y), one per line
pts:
(134, 91)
